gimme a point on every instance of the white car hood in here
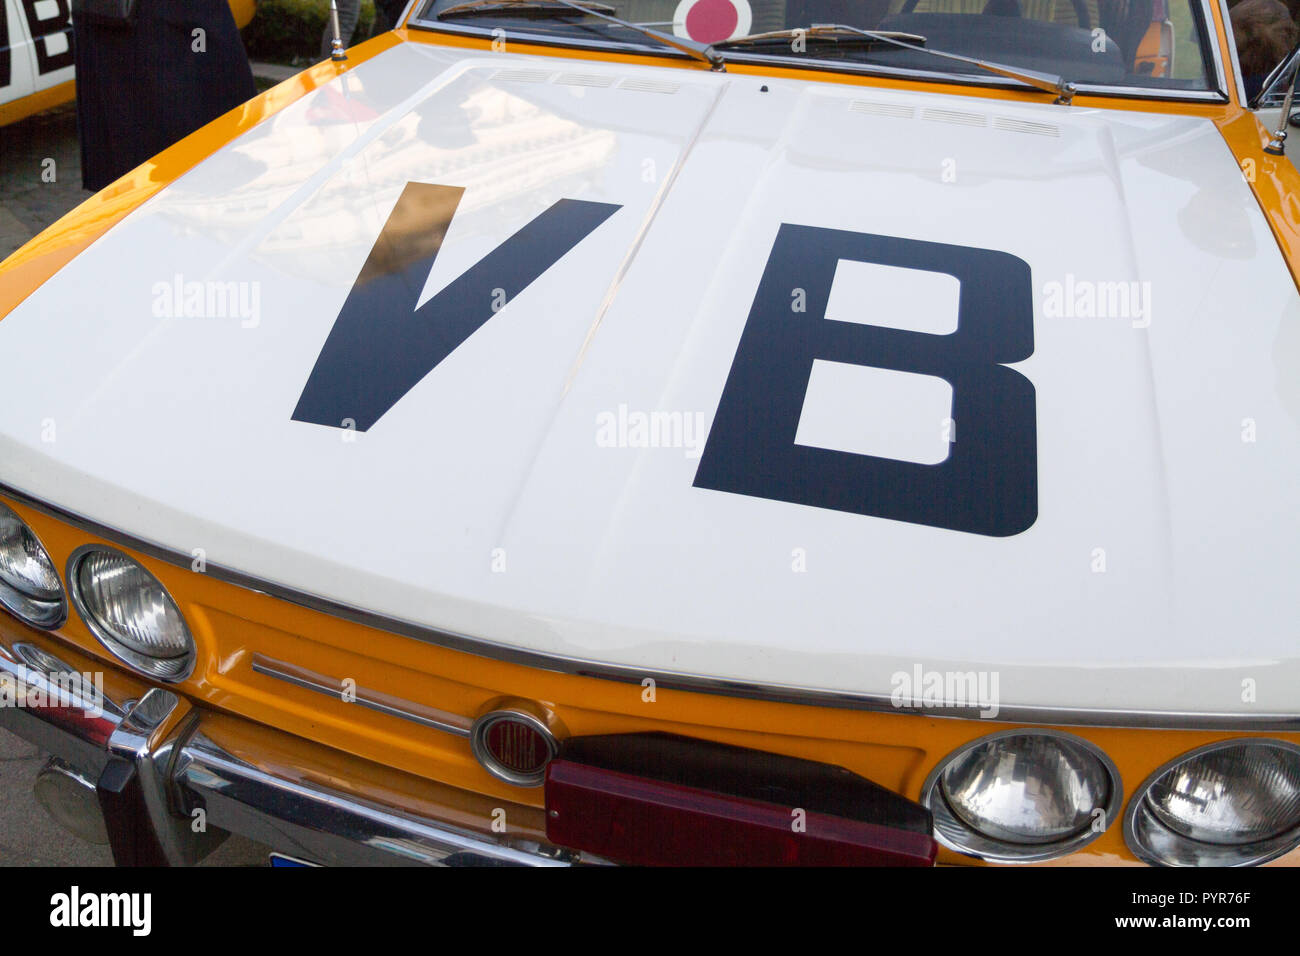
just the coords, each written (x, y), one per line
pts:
(1158, 573)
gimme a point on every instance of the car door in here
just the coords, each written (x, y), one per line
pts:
(16, 72)
(49, 31)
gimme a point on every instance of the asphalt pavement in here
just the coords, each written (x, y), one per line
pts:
(40, 174)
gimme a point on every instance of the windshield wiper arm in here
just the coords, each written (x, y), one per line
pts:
(1048, 82)
(700, 51)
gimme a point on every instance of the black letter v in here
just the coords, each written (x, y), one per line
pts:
(382, 345)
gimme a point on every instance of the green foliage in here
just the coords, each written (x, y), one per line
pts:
(285, 31)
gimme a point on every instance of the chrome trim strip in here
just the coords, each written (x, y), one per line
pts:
(670, 680)
(1216, 53)
(372, 699)
(327, 826)
(1232, 52)
(1217, 95)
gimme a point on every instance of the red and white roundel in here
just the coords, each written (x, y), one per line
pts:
(709, 21)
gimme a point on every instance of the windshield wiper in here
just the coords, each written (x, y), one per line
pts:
(1048, 82)
(700, 51)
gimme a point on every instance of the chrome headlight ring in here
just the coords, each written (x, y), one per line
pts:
(47, 610)
(1154, 842)
(169, 669)
(957, 834)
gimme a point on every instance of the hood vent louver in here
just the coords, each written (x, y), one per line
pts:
(649, 86)
(584, 79)
(956, 117)
(522, 76)
(1025, 126)
(895, 110)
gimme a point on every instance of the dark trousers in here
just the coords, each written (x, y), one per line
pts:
(144, 85)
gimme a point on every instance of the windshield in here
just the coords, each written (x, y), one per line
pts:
(1156, 45)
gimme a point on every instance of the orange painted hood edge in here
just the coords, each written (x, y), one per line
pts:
(1274, 180)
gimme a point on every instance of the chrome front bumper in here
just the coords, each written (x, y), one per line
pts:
(171, 788)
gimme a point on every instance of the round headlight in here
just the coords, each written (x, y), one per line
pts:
(130, 613)
(1233, 803)
(29, 584)
(1021, 796)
